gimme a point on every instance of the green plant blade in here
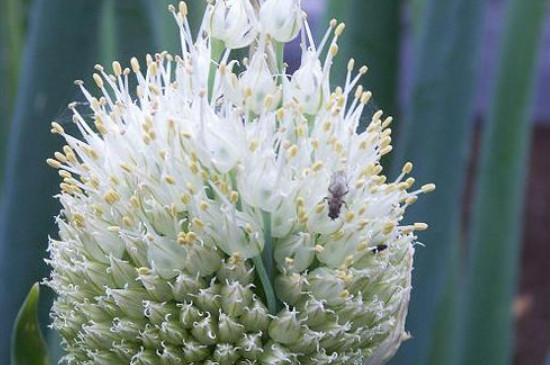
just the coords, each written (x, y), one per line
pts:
(135, 33)
(366, 21)
(497, 209)
(62, 46)
(435, 137)
(12, 35)
(28, 345)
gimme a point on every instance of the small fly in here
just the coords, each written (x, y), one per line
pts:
(337, 189)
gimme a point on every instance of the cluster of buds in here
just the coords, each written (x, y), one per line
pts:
(221, 215)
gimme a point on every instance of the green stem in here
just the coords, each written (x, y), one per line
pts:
(217, 50)
(265, 266)
(279, 55)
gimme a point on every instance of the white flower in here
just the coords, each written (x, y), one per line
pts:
(281, 19)
(200, 221)
(232, 21)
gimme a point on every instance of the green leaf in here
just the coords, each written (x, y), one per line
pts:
(62, 47)
(135, 33)
(12, 35)
(372, 39)
(435, 136)
(28, 345)
(497, 209)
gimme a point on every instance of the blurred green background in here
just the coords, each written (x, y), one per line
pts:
(464, 79)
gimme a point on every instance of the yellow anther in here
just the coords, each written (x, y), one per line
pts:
(339, 29)
(386, 150)
(268, 101)
(318, 165)
(420, 226)
(362, 245)
(182, 7)
(300, 202)
(351, 64)
(363, 70)
(142, 271)
(57, 128)
(170, 179)
(128, 222)
(191, 237)
(386, 141)
(344, 294)
(362, 209)
(388, 227)
(407, 168)
(387, 122)
(60, 157)
(114, 229)
(338, 234)
(300, 131)
(319, 208)
(248, 228)
(350, 216)
(203, 205)
(411, 200)
(185, 199)
(79, 220)
(289, 261)
(292, 151)
(53, 163)
(236, 258)
(365, 97)
(428, 188)
(111, 197)
(65, 174)
(197, 222)
(376, 116)
(333, 49)
(327, 126)
(332, 23)
(134, 201)
(126, 167)
(253, 145)
(234, 196)
(98, 80)
(410, 182)
(191, 188)
(134, 63)
(117, 69)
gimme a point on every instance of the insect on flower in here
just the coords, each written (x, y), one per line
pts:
(337, 189)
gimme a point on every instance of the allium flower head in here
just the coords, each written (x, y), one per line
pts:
(225, 212)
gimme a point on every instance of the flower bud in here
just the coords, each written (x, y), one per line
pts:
(289, 288)
(234, 298)
(285, 327)
(233, 22)
(256, 84)
(326, 285)
(255, 318)
(307, 84)
(229, 330)
(281, 19)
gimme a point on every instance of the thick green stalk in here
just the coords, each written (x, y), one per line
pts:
(265, 266)
(135, 31)
(497, 211)
(435, 136)
(12, 35)
(62, 46)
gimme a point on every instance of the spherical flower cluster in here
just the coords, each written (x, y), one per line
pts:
(228, 213)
